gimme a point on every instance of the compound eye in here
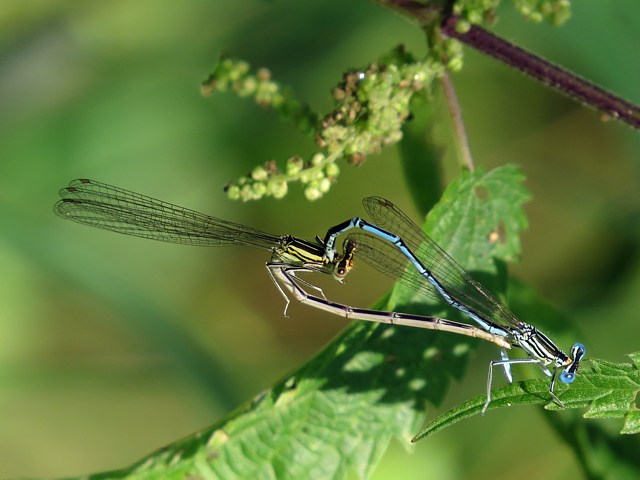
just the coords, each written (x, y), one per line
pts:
(566, 377)
(578, 350)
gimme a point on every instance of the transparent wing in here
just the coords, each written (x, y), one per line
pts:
(112, 208)
(390, 261)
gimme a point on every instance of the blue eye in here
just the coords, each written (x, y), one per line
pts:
(566, 377)
(579, 348)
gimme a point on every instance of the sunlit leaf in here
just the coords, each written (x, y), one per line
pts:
(606, 389)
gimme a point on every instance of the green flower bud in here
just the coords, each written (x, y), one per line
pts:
(258, 190)
(317, 159)
(332, 170)
(325, 185)
(305, 176)
(277, 188)
(233, 192)
(259, 173)
(245, 193)
(294, 165)
(463, 26)
(247, 87)
(312, 193)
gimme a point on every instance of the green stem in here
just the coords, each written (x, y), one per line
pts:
(459, 131)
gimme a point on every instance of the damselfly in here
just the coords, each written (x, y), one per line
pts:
(123, 211)
(396, 246)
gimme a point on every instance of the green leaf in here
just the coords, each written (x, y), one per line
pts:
(609, 390)
(478, 221)
(340, 411)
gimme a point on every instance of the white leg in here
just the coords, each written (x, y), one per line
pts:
(490, 376)
(506, 365)
(270, 268)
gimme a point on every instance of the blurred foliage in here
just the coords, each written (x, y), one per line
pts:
(111, 347)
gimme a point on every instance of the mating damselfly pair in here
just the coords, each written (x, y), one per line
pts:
(393, 244)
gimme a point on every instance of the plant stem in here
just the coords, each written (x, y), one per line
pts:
(559, 78)
(460, 133)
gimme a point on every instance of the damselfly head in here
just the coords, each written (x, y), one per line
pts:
(569, 374)
(344, 263)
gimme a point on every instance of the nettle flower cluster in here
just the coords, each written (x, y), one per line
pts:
(370, 108)
(371, 104)
(555, 12)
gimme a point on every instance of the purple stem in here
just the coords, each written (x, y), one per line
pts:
(546, 72)
(557, 77)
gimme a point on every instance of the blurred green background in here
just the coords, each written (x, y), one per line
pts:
(111, 347)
